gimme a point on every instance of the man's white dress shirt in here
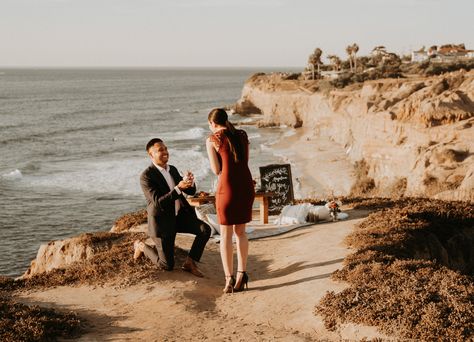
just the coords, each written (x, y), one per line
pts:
(166, 173)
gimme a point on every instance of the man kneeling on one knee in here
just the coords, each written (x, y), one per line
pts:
(169, 212)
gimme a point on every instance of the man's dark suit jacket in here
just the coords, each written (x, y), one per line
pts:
(161, 200)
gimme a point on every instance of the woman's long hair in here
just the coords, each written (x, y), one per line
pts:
(219, 117)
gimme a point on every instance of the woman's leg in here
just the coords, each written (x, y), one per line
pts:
(226, 249)
(242, 250)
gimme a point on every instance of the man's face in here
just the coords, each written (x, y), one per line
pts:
(159, 154)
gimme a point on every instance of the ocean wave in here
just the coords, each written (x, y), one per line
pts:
(5, 127)
(75, 113)
(32, 137)
(254, 136)
(248, 120)
(289, 133)
(192, 160)
(107, 198)
(189, 134)
(113, 177)
(266, 148)
(50, 100)
(15, 174)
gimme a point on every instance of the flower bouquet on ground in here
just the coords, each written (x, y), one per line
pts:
(334, 208)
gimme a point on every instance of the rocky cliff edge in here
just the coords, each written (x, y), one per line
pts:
(414, 136)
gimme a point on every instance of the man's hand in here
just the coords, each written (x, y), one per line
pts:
(185, 184)
(189, 177)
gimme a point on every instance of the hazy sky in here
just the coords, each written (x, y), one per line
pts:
(220, 32)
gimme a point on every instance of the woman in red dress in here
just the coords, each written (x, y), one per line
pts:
(228, 151)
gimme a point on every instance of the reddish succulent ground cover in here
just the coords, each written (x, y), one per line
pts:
(130, 220)
(114, 266)
(20, 322)
(412, 271)
(411, 275)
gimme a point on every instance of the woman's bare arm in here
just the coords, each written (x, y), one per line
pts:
(213, 159)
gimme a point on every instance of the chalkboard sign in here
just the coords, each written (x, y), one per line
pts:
(276, 178)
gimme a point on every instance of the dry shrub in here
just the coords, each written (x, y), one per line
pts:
(399, 282)
(450, 155)
(7, 284)
(20, 322)
(291, 76)
(376, 73)
(454, 181)
(313, 201)
(373, 203)
(435, 185)
(265, 124)
(398, 187)
(363, 184)
(130, 220)
(441, 68)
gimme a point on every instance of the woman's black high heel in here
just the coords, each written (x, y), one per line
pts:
(229, 286)
(244, 282)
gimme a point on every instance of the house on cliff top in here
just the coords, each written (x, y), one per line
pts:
(442, 54)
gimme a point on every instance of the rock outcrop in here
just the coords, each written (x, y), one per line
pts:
(61, 253)
(415, 135)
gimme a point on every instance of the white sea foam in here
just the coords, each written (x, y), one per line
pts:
(289, 133)
(98, 176)
(15, 174)
(189, 134)
(120, 176)
(265, 148)
(247, 120)
(192, 160)
(254, 136)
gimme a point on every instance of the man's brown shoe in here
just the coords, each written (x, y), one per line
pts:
(138, 250)
(191, 267)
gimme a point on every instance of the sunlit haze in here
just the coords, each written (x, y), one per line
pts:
(207, 33)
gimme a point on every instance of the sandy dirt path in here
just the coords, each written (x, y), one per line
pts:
(289, 273)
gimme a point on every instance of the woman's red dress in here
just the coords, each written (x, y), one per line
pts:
(235, 190)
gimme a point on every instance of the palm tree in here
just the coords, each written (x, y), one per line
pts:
(311, 64)
(315, 59)
(335, 61)
(355, 49)
(349, 53)
(379, 50)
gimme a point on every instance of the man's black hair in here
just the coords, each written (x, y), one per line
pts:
(153, 142)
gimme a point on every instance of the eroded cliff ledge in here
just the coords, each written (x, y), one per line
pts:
(415, 135)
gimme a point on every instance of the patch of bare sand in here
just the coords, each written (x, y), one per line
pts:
(322, 168)
(288, 275)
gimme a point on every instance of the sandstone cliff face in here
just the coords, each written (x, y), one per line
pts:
(416, 133)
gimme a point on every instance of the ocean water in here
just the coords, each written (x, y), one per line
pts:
(72, 145)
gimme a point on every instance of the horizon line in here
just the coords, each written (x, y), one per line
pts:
(143, 67)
